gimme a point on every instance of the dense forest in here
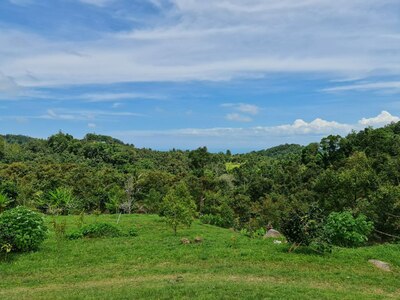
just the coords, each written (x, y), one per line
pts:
(359, 173)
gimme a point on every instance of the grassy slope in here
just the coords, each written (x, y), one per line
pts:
(155, 265)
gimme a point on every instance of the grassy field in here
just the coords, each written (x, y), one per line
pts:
(155, 265)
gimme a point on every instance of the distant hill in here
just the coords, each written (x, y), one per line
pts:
(281, 150)
(17, 139)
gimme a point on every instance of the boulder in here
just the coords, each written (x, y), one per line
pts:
(380, 264)
(272, 233)
(198, 239)
(185, 241)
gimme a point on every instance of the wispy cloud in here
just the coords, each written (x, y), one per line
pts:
(8, 86)
(238, 117)
(82, 115)
(111, 97)
(243, 107)
(218, 40)
(369, 86)
(99, 3)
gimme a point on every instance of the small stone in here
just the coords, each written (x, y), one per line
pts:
(185, 241)
(198, 239)
(380, 264)
(272, 233)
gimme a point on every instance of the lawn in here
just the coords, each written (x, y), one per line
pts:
(226, 265)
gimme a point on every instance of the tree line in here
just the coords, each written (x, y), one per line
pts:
(359, 173)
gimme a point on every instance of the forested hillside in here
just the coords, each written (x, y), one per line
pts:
(64, 175)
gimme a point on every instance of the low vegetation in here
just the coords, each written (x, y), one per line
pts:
(225, 265)
(96, 230)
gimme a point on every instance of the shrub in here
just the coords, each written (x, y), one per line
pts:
(96, 230)
(216, 220)
(306, 230)
(223, 219)
(22, 228)
(343, 229)
(302, 229)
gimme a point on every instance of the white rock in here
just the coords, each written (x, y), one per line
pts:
(272, 233)
(380, 264)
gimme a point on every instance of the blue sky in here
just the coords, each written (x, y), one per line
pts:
(230, 74)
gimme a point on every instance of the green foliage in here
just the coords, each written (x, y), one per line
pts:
(282, 150)
(114, 199)
(216, 210)
(64, 175)
(258, 233)
(62, 200)
(302, 228)
(96, 230)
(343, 229)
(4, 202)
(22, 228)
(2, 148)
(225, 221)
(178, 207)
(230, 166)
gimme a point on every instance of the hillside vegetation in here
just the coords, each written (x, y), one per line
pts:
(359, 173)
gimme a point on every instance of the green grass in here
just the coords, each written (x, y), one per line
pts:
(155, 265)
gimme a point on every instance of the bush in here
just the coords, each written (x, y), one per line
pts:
(306, 230)
(302, 229)
(216, 220)
(343, 229)
(224, 218)
(22, 229)
(96, 230)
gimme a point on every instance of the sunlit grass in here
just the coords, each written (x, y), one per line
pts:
(156, 265)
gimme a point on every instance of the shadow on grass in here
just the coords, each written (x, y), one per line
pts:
(303, 250)
(8, 258)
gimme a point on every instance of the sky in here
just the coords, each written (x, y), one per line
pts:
(229, 74)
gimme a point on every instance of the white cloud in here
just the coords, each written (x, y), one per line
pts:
(318, 126)
(91, 125)
(380, 120)
(218, 40)
(237, 117)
